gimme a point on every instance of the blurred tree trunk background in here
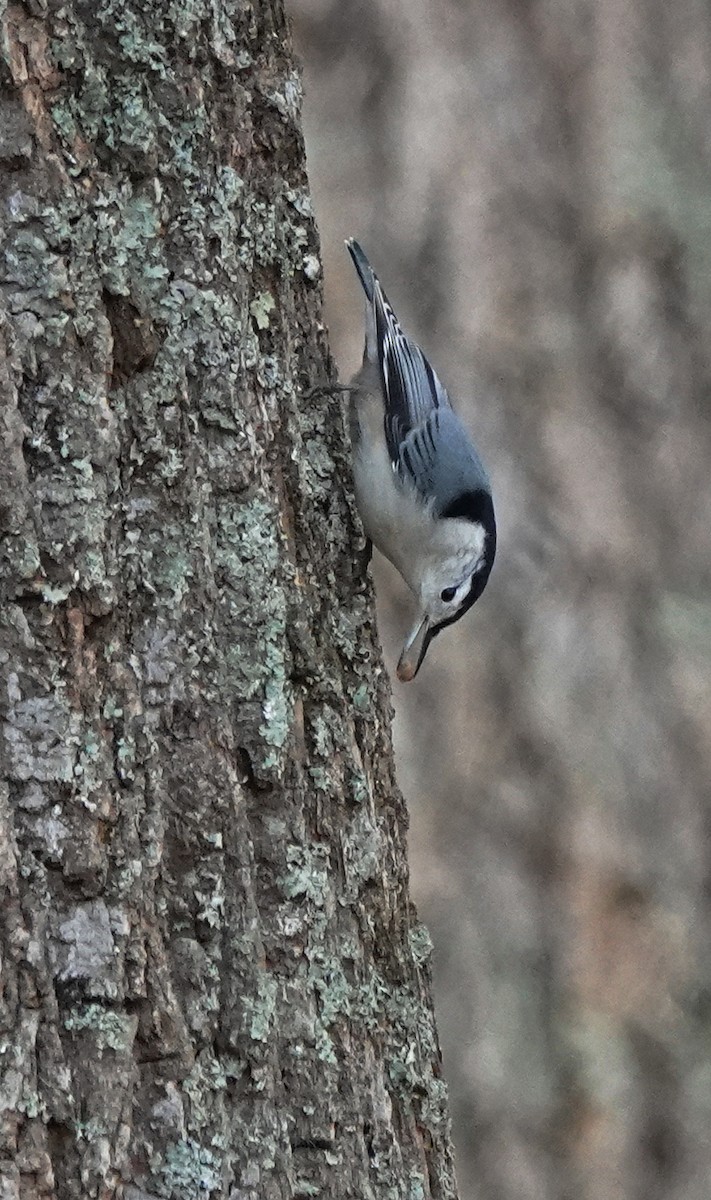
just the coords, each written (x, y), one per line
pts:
(212, 982)
(533, 184)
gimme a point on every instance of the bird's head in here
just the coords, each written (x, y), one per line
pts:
(453, 576)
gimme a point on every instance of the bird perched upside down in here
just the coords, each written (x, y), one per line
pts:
(422, 492)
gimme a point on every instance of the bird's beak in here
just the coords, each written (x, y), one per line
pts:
(414, 650)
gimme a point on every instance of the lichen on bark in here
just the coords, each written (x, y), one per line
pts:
(213, 981)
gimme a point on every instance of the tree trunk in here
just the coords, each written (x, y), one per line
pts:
(213, 982)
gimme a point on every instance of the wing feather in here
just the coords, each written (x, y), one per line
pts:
(427, 444)
(412, 390)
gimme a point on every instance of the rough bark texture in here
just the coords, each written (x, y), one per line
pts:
(531, 180)
(212, 980)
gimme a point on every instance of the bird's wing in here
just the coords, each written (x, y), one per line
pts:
(412, 391)
(440, 460)
(427, 443)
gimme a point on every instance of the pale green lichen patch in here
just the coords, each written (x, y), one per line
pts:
(305, 1187)
(324, 1046)
(111, 1030)
(362, 698)
(126, 233)
(421, 944)
(327, 976)
(253, 602)
(55, 593)
(308, 874)
(188, 1170)
(260, 309)
(277, 713)
(418, 1188)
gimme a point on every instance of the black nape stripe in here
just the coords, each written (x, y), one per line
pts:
(472, 506)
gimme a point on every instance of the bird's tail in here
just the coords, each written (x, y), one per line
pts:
(362, 266)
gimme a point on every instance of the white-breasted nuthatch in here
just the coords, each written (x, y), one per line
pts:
(422, 492)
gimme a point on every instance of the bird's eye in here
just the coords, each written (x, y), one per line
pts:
(448, 594)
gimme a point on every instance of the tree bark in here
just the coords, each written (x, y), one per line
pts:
(213, 982)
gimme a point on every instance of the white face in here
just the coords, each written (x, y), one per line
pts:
(450, 581)
(444, 586)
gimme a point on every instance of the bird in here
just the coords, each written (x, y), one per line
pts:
(421, 489)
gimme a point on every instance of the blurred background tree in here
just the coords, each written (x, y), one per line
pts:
(532, 183)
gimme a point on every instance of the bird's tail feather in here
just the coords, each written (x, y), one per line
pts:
(362, 266)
